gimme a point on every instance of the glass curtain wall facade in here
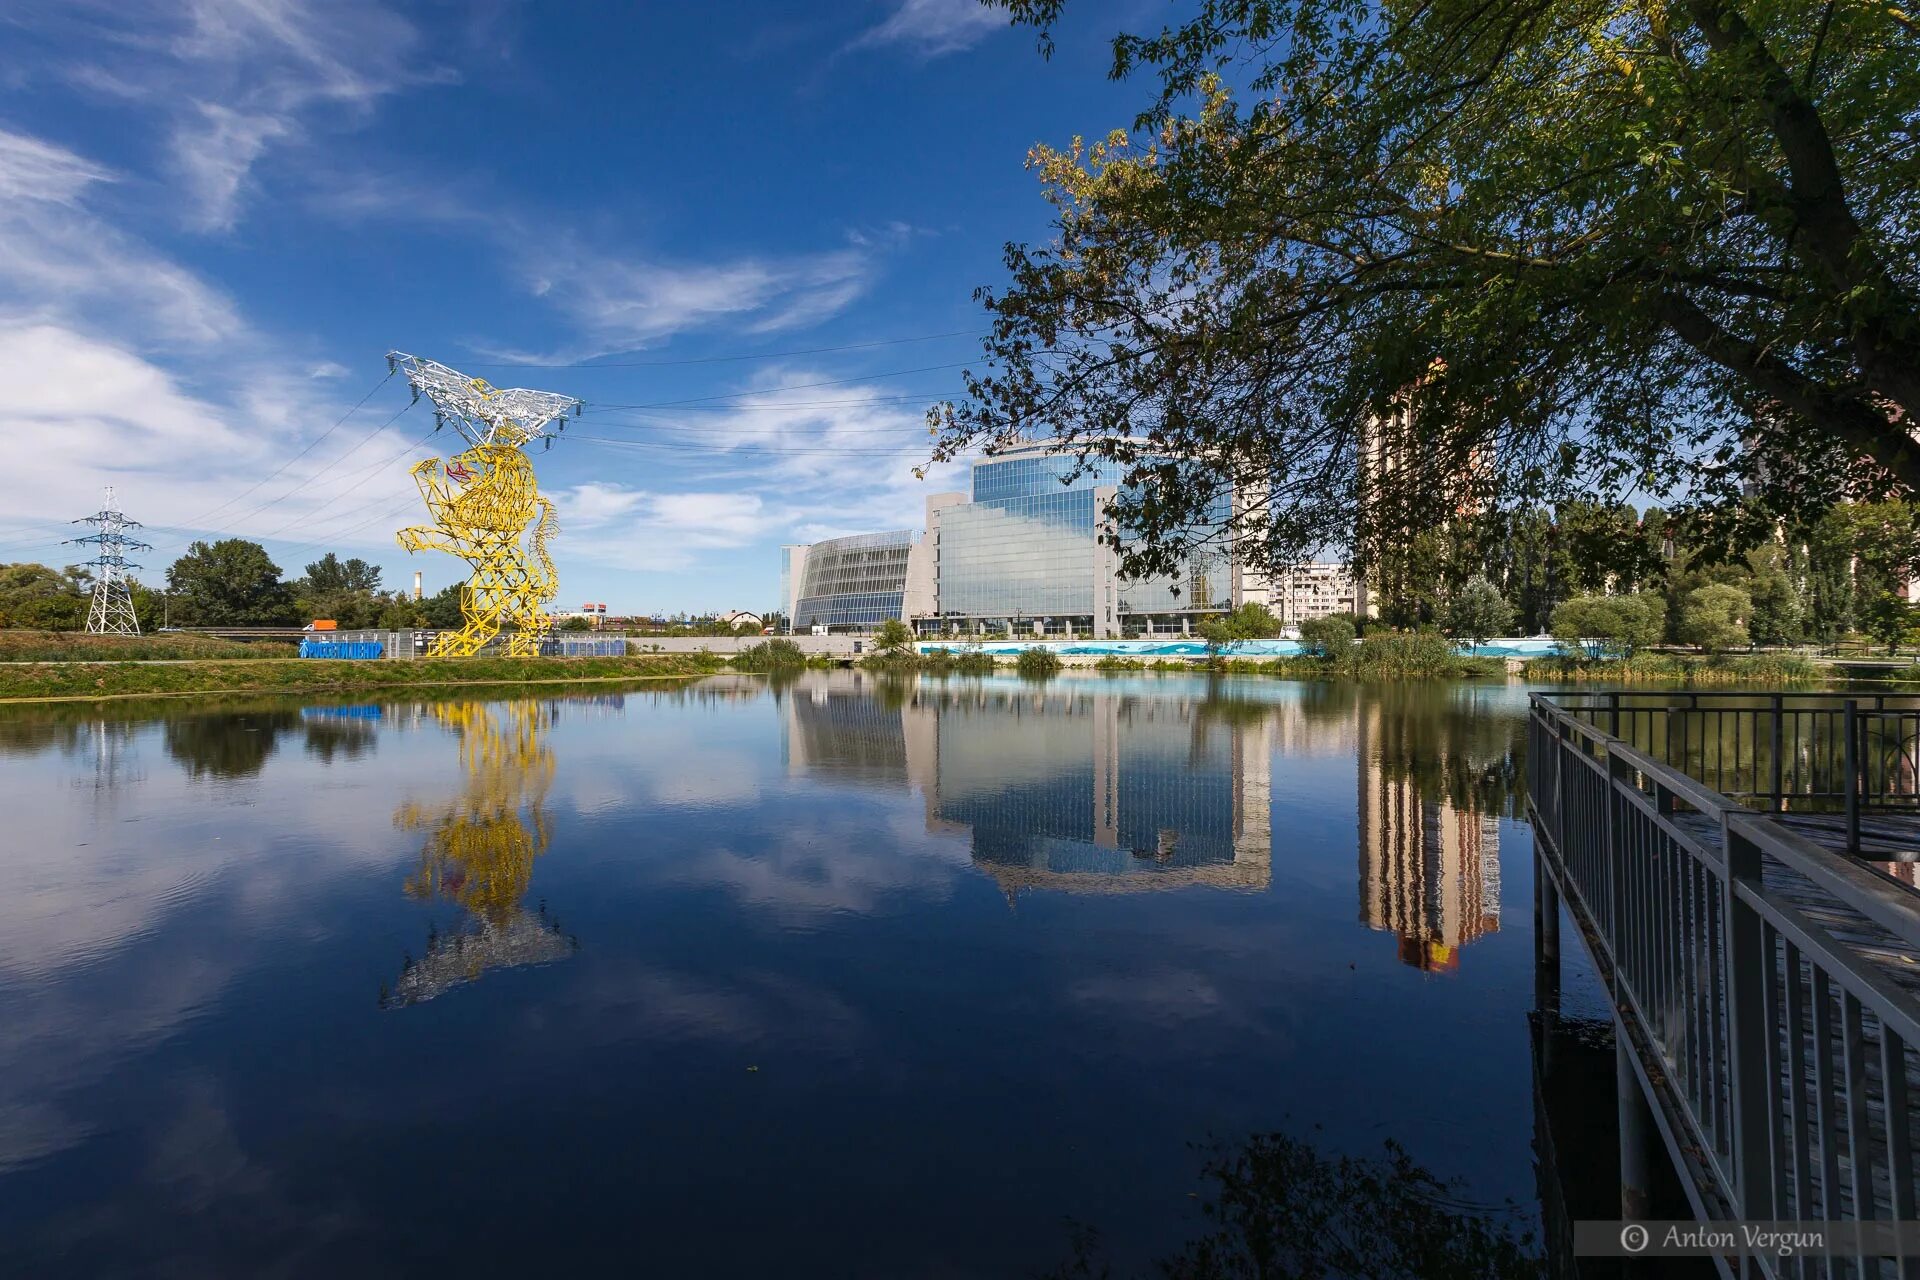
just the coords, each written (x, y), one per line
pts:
(1019, 558)
(1026, 549)
(854, 583)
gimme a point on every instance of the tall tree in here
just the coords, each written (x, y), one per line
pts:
(229, 583)
(1576, 247)
(330, 573)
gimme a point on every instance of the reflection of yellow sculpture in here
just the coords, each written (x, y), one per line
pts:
(481, 848)
(482, 523)
(485, 505)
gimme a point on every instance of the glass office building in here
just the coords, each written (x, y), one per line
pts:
(1024, 555)
(854, 583)
(1020, 554)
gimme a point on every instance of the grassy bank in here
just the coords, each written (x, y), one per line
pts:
(132, 679)
(70, 646)
(1666, 668)
(1380, 656)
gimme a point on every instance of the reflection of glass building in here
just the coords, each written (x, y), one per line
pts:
(1021, 554)
(849, 584)
(1429, 871)
(1086, 792)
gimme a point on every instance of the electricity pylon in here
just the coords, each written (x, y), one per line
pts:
(497, 503)
(111, 613)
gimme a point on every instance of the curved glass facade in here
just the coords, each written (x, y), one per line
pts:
(857, 582)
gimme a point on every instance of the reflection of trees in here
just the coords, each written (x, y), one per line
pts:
(1278, 1209)
(336, 732)
(226, 745)
(1452, 746)
(481, 848)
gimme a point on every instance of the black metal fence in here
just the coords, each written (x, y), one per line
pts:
(1784, 752)
(1767, 986)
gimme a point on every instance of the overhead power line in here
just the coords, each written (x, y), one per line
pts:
(796, 386)
(763, 355)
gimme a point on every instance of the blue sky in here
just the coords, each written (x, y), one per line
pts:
(216, 217)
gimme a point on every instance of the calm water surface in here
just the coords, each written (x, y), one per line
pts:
(836, 978)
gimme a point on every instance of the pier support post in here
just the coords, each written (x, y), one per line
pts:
(1637, 1134)
(1546, 939)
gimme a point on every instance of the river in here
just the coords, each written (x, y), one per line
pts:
(840, 976)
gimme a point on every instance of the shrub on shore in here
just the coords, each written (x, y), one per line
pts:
(1038, 663)
(770, 655)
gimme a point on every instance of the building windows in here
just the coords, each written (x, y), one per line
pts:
(853, 583)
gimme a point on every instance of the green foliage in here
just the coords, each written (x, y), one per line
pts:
(442, 609)
(1250, 621)
(44, 646)
(1888, 618)
(1746, 669)
(1610, 626)
(229, 583)
(35, 596)
(1328, 637)
(1477, 612)
(330, 573)
(1714, 618)
(1038, 663)
(1583, 243)
(776, 654)
(576, 624)
(1400, 655)
(894, 636)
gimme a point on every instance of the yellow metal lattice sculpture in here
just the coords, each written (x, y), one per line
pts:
(486, 505)
(480, 850)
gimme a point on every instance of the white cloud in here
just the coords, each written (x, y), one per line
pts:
(55, 254)
(620, 303)
(233, 79)
(931, 28)
(214, 155)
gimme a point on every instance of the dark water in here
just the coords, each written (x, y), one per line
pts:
(835, 979)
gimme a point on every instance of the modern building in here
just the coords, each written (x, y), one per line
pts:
(847, 584)
(1022, 553)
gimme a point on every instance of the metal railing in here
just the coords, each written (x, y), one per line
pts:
(1758, 977)
(1785, 752)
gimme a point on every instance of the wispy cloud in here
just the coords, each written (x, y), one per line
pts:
(56, 253)
(932, 28)
(233, 79)
(619, 302)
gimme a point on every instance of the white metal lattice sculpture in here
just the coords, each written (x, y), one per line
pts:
(111, 612)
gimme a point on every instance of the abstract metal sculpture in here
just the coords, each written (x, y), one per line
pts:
(111, 613)
(480, 851)
(485, 502)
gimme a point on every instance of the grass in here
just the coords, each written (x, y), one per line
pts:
(1668, 668)
(75, 646)
(40, 681)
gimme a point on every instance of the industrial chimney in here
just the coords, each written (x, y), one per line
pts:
(416, 584)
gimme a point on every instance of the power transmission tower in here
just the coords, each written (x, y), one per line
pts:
(112, 610)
